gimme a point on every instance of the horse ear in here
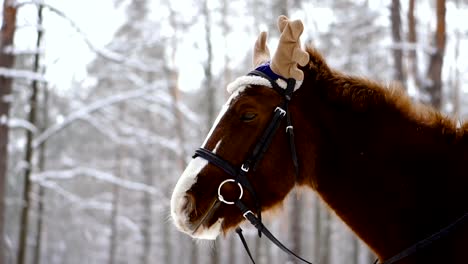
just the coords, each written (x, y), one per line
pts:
(289, 53)
(261, 52)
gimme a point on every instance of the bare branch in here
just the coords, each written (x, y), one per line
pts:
(102, 52)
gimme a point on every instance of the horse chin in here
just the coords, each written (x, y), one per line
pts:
(199, 230)
(209, 233)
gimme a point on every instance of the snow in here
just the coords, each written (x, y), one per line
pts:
(45, 178)
(16, 123)
(22, 74)
(85, 111)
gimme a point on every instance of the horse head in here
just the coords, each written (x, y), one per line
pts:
(241, 139)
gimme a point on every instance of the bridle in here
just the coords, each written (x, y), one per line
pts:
(239, 175)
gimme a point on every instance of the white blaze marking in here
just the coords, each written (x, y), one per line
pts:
(188, 178)
(183, 185)
(221, 114)
(217, 146)
(215, 124)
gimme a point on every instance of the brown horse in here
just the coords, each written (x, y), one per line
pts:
(394, 171)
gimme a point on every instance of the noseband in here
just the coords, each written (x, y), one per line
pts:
(251, 162)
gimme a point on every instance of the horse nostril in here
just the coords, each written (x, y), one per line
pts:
(188, 205)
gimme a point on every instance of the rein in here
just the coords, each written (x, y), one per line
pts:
(425, 242)
(240, 178)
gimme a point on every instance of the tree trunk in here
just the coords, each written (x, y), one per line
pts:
(434, 73)
(296, 227)
(39, 223)
(114, 230)
(231, 258)
(166, 238)
(412, 39)
(399, 74)
(456, 78)
(41, 191)
(147, 209)
(355, 249)
(113, 225)
(33, 104)
(6, 61)
(210, 90)
(227, 73)
(41, 165)
(324, 256)
(318, 226)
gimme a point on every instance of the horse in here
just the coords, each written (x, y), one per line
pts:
(391, 169)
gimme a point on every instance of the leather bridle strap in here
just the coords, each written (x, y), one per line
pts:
(216, 160)
(261, 228)
(252, 161)
(425, 242)
(240, 175)
(244, 243)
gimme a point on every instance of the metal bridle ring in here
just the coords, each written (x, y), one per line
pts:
(221, 198)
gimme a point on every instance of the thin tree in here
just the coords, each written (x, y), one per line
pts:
(354, 249)
(412, 39)
(226, 29)
(7, 60)
(41, 158)
(41, 189)
(296, 227)
(147, 208)
(433, 84)
(114, 230)
(456, 78)
(210, 89)
(399, 73)
(29, 151)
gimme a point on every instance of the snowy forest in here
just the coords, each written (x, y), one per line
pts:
(103, 103)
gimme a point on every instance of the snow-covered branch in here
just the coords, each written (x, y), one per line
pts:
(80, 202)
(15, 123)
(22, 51)
(68, 174)
(84, 112)
(102, 52)
(408, 46)
(21, 74)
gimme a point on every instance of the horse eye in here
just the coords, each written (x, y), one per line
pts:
(249, 116)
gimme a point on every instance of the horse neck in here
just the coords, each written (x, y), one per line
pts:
(374, 162)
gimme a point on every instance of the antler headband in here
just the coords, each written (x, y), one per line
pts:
(285, 61)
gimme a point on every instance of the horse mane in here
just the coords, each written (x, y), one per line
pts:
(363, 93)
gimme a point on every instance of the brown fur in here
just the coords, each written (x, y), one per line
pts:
(392, 170)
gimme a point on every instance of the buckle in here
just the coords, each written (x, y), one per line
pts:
(245, 168)
(289, 127)
(221, 198)
(281, 110)
(246, 213)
